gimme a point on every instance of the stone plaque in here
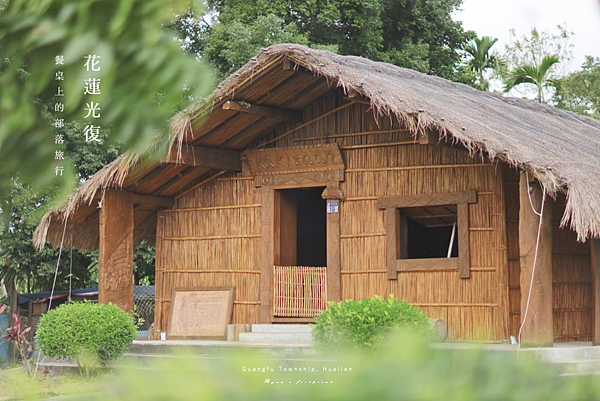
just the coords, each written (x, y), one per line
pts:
(200, 313)
(300, 159)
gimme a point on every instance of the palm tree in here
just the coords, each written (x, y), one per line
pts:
(534, 74)
(482, 59)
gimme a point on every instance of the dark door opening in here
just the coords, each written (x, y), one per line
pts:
(303, 227)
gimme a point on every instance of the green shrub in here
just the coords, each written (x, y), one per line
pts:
(362, 324)
(90, 333)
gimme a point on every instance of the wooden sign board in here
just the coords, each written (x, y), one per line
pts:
(300, 159)
(200, 313)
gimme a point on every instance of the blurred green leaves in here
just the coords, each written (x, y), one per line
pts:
(363, 324)
(142, 75)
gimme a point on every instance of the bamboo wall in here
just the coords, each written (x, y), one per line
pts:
(211, 245)
(572, 289)
(211, 238)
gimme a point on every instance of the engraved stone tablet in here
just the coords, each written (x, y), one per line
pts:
(200, 313)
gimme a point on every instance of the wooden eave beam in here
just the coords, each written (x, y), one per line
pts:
(282, 86)
(268, 112)
(153, 200)
(200, 156)
(145, 199)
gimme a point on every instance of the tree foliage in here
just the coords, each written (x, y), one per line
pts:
(34, 271)
(580, 90)
(528, 52)
(415, 34)
(19, 261)
(232, 45)
(483, 59)
(142, 73)
(537, 75)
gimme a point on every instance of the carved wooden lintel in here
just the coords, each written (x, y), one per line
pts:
(300, 180)
(299, 159)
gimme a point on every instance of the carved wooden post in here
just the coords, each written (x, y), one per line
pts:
(538, 328)
(115, 264)
(267, 254)
(333, 194)
(595, 254)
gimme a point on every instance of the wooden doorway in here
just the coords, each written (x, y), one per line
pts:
(299, 281)
(302, 227)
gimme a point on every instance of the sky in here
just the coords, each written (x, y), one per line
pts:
(496, 18)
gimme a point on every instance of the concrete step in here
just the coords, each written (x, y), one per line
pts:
(566, 353)
(276, 337)
(582, 366)
(215, 348)
(281, 328)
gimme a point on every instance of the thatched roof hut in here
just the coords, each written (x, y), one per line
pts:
(560, 148)
(381, 146)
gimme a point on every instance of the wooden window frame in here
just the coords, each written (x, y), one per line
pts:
(393, 224)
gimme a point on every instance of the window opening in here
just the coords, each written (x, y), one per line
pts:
(427, 232)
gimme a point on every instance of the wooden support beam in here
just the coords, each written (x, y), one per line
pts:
(200, 156)
(334, 264)
(152, 200)
(464, 253)
(267, 253)
(595, 255)
(391, 222)
(268, 112)
(115, 263)
(538, 327)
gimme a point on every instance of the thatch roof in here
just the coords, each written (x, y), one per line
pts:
(561, 149)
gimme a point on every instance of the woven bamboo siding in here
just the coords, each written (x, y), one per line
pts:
(572, 290)
(299, 291)
(511, 184)
(475, 308)
(212, 238)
